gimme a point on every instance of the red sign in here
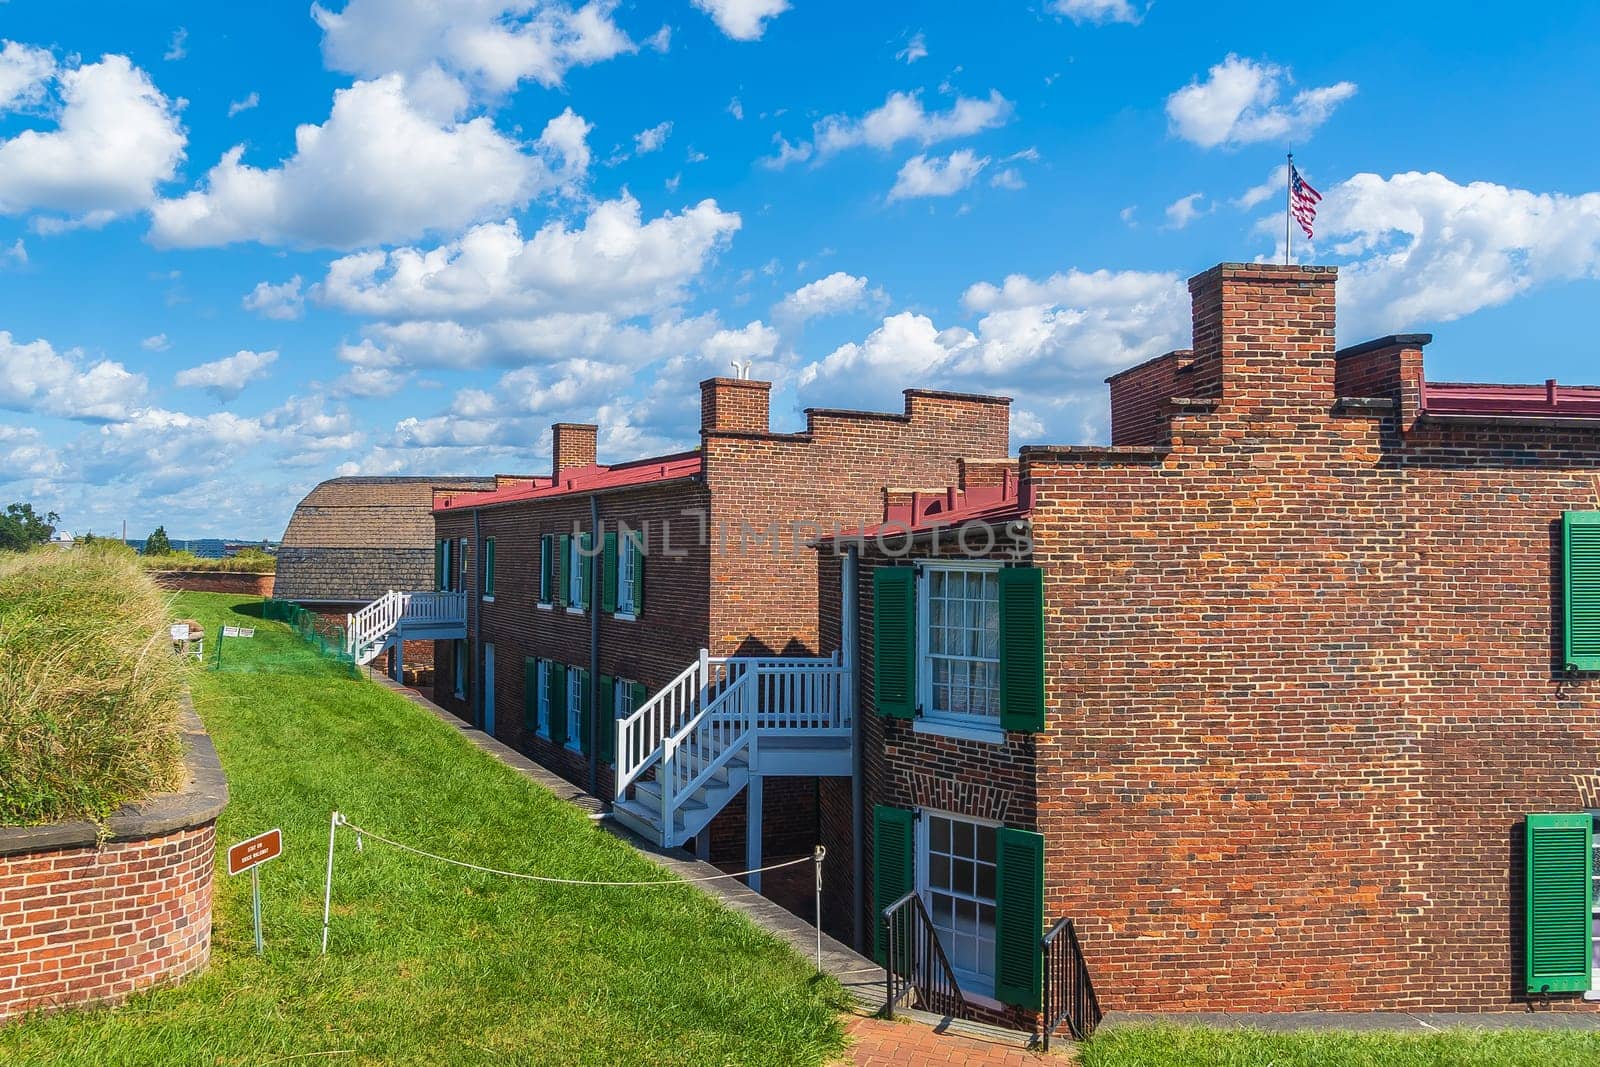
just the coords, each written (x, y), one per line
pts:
(254, 851)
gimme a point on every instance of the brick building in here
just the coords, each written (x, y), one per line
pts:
(673, 581)
(1271, 696)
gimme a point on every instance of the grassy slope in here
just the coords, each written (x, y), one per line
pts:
(1185, 1046)
(430, 964)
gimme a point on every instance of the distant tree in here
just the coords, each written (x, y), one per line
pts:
(21, 527)
(157, 544)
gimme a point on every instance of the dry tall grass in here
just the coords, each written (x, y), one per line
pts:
(89, 688)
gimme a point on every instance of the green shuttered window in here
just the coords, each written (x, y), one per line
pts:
(438, 564)
(894, 641)
(1019, 917)
(557, 680)
(488, 568)
(893, 866)
(547, 561)
(530, 694)
(1560, 898)
(608, 574)
(1580, 540)
(562, 560)
(1022, 648)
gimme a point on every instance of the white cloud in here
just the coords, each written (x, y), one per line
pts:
(614, 263)
(923, 176)
(177, 47)
(647, 141)
(251, 101)
(594, 335)
(787, 153)
(491, 45)
(25, 73)
(743, 20)
(116, 138)
(1010, 178)
(1185, 210)
(370, 382)
(1422, 249)
(23, 455)
(35, 377)
(915, 49)
(902, 118)
(825, 296)
(736, 109)
(17, 253)
(283, 301)
(1238, 104)
(1098, 11)
(1053, 340)
(1277, 184)
(226, 378)
(155, 343)
(377, 171)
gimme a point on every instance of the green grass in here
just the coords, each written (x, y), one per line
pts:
(1195, 1046)
(89, 688)
(431, 964)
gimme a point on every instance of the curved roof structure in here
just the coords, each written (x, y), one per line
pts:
(352, 539)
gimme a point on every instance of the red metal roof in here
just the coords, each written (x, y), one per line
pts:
(581, 480)
(1547, 401)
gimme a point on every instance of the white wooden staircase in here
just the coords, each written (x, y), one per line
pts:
(397, 617)
(716, 729)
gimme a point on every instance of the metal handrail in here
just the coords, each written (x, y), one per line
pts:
(915, 961)
(1068, 990)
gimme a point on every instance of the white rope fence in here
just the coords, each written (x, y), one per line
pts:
(361, 832)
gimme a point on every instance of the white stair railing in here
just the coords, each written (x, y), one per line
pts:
(372, 622)
(367, 630)
(724, 729)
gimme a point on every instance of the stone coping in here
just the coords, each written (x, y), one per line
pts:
(198, 803)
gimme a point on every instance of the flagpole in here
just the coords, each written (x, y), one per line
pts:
(1288, 208)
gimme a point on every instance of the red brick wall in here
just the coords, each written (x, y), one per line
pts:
(83, 925)
(1139, 397)
(764, 588)
(1302, 683)
(216, 582)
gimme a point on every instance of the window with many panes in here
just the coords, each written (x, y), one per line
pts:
(957, 879)
(574, 709)
(959, 643)
(542, 722)
(577, 595)
(624, 699)
(627, 551)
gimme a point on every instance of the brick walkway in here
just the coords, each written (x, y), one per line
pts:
(877, 1043)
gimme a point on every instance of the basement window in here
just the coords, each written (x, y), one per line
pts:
(575, 737)
(542, 708)
(956, 875)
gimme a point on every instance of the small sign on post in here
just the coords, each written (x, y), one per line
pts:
(249, 855)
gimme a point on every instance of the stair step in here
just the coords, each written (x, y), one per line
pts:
(650, 793)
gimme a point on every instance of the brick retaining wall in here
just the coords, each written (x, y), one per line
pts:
(81, 924)
(216, 582)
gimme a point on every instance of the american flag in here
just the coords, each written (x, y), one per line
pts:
(1303, 201)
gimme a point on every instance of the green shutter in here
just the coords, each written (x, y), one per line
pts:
(637, 550)
(530, 694)
(1022, 648)
(544, 568)
(607, 706)
(557, 675)
(558, 593)
(640, 695)
(488, 567)
(1018, 917)
(438, 564)
(586, 569)
(893, 866)
(894, 641)
(1580, 539)
(585, 710)
(1560, 861)
(608, 574)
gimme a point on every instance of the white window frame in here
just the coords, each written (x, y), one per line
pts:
(574, 709)
(542, 699)
(622, 698)
(625, 563)
(974, 986)
(463, 584)
(577, 595)
(950, 724)
(485, 573)
(1594, 919)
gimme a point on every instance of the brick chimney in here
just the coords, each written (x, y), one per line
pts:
(736, 404)
(1264, 332)
(572, 445)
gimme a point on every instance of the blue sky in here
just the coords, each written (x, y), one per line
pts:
(244, 248)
